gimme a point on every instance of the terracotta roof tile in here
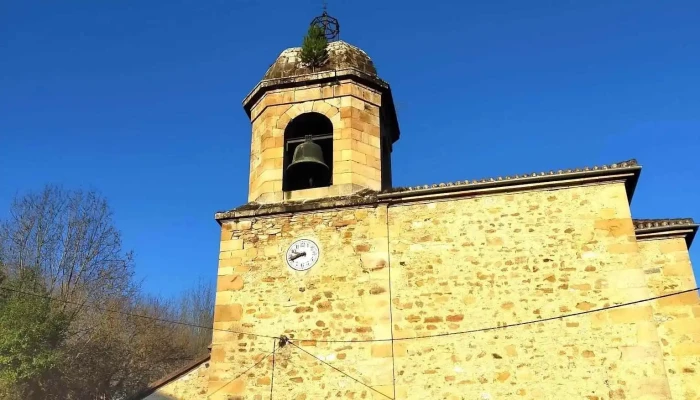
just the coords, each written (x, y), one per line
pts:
(561, 172)
(641, 224)
(666, 227)
(367, 196)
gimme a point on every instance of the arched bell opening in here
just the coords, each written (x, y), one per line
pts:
(308, 152)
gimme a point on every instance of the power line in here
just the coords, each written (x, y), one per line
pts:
(132, 314)
(284, 340)
(351, 377)
(272, 378)
(507, 325)
(594, 310)
(391, 305)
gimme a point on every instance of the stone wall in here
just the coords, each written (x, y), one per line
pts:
(668, 270)
(353, 109)
(344, 297)
(435, 268)
(190, 386)
(497, 260)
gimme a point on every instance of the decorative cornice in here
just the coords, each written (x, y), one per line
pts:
(627, 171)
(253, 209)
(522, 177)
(307, 79)
(665, 228)
(331, 78)
(645, 224)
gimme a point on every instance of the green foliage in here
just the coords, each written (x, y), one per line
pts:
(64, 242)
(313, 49)
(30, 336)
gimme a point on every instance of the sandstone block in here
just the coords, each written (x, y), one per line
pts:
(245, 225)
(227, 231)
(628, 278)
(229, 282)
(687, 349)
(228, 313)
(686, 299)
(230, 245)
(677, 269)
(684, 326)
(387, 390)
(616, 227)
(230, 261)
(625, 315)
(622, 248)
(640, 353)
(301, 95)
(673, 246)
(218, 354)
(381, 350)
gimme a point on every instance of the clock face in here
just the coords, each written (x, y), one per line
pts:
(302, 255)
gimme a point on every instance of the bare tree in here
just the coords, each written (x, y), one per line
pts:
(69, 236)
(196, 306)
(69, 240)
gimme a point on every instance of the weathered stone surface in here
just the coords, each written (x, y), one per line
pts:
(521, 257)
(454, 265)
(358, 159)
(341, 55)
(344, 296)
(678, 326)
(406, 263)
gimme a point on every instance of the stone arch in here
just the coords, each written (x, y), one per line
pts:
(319, 128)
(319, 106)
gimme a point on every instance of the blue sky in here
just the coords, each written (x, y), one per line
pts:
(142, 101)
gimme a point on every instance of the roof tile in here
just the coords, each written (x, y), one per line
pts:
(619, 165)
(641, 224)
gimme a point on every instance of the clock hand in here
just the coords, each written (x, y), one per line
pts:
(297, 255)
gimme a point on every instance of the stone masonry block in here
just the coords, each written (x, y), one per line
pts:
(381, 350)
(678, 269)
(228, 313)
(625, 315)
(229, 245)
(229, 282)
(686, 299)
(616, 227)
(687, 349)
(673, 246)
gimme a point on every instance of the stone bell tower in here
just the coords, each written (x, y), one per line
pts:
(320, 131)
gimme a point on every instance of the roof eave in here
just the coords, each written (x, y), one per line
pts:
(325, 77)
(152, 387)
(687, 231)
(630, 175)
(266, 85)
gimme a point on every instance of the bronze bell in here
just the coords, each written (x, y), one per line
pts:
(308, 169)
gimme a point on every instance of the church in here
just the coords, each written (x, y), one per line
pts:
(333, 283)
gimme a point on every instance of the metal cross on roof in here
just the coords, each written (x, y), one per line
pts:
(329, 25)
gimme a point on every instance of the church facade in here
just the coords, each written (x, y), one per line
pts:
(332, 283)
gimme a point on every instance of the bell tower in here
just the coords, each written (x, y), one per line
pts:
(320, 130)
